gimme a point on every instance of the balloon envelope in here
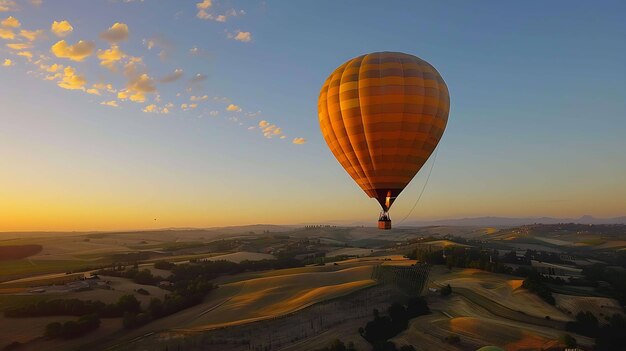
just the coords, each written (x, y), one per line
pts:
(382, 115)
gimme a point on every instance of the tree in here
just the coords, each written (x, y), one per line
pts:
(417, 306)
(128, 303)
(586, 324)
(53, 330)
(155, 307)
(568, 340)
(337, 345)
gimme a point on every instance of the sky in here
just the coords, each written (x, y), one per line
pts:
(155, 114)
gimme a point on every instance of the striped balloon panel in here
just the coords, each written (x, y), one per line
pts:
(382, 115)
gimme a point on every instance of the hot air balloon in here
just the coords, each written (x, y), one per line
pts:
(382, 116)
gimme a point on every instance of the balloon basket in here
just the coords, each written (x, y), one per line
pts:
(384, 224)
(384, 221)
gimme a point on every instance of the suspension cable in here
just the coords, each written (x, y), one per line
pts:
(432, 165)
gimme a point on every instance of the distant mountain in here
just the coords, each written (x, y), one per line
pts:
(512, 222)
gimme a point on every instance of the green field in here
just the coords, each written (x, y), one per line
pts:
(18, 268)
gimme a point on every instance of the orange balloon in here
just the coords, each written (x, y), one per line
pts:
(382, 115)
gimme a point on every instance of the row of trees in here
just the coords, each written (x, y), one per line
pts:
(338, 345)
(197, 268)
(76, 307)
(609, 337)
(616, 277)
(378, 331)
(534, 284)
(212, 269)
(143, 277)
(183, 296)
(73, 329)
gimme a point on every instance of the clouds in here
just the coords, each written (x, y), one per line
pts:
(125, 67)
(10, 22)
(233, 108)
(152, 108)
(202, 9)
(198, 78)
(61, 29)
(299, 141)
(111, 103)
(243, 37)
(31, 35)
(72, 81)
(6, 33)
(186, 107)
(116, 33)
(6, 27)
(77, 52)
(27, 54)
(19, 46)
(110, 57)
(269, 130)
(8, 5)
(199, 98)
(137, 89)
(172, 77)
(205, 12)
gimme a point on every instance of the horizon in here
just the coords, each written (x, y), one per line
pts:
(443, 222)
(204, 114)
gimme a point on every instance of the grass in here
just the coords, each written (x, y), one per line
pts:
(266, 297)
(592, 242)
(25, 267)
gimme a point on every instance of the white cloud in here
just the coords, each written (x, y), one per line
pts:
(10, 22)
(299, 141)
(110, 57)
(244, 37)
(19, 46)
(152, 108)
(27, 54)
(106, 87)
(137, 89)
(116, 33)
(7, 63)
(205, 12)
(31, 35)
(8, 5)
(72, 81)
(6, 33)
(202, 9)
(77, 52)
(159, 42)
(172, 77)
(61, 29)
(233, 108)
(199, 98)
(199, 78)
(186, 107)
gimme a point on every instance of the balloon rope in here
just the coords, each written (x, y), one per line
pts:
(423, 188)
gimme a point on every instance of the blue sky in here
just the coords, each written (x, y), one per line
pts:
(536, 126)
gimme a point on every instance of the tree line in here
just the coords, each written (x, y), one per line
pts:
(382, 328)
